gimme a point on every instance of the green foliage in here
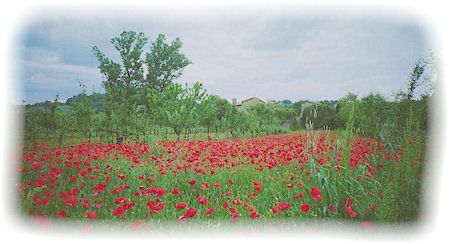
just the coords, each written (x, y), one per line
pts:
(177, 106)
(165, 63)
(96, 99)
(372, 114)
(84, 114)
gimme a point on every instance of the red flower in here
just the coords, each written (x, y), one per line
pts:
(92, 215)
(314, 191)
(299, 195)
(234, 217)
(62, 214)
(284, 205)
(202, 200)
(317, 198)
(304, 207)
(350, 212)
(190, 213)
(236, 202)
(332, 208)
(118, 211)
(121, 176)
(176, 191)
(209, 211)
(181, 205)
(182, 219)
(120, 200)
(192, 182)
(254, 215)
(231, 182)
(155, 207)
(348, 201)
(86, 205)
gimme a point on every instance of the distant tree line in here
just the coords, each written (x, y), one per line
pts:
(142, 99)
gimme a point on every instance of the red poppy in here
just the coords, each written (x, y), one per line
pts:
(299, 195)
(181, 205)
(234, 217)
(284, 205)
(182, 219)
(176, 191)
(317, 198)
(347, 201)
(62, 214)
(350, 211)
(92, 215)
(304, 207)
(209, 211)
(254, 215)
(155, 207)
(190, 213)
(118, 211)
(202, 200)
(314, 191)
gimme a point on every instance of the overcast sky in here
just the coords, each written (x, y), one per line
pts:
(296, 54)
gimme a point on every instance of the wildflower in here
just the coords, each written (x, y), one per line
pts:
(92, 215)
(304, 207)
(62, 214)
(209, 211)
(181, 205)
(202, 200)
(190, 213)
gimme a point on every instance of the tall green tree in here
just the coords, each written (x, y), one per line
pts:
(84, 114)
(373, 114)
(129, 81)
(178, 107)
(165, 63)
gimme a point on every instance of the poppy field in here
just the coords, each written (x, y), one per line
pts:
(296, 176)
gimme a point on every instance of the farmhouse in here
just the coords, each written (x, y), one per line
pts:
(244, 104)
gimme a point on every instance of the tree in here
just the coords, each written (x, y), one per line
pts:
(84, 114)
(50, 117)
(344, 108)
(208, 111)
(126, 84)
(372, 114)
(177, 106)
(326, 117)
(34, 122)
(415, 78)
(122, 79)
(165, 63)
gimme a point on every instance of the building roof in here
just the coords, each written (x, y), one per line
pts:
(249, 99)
